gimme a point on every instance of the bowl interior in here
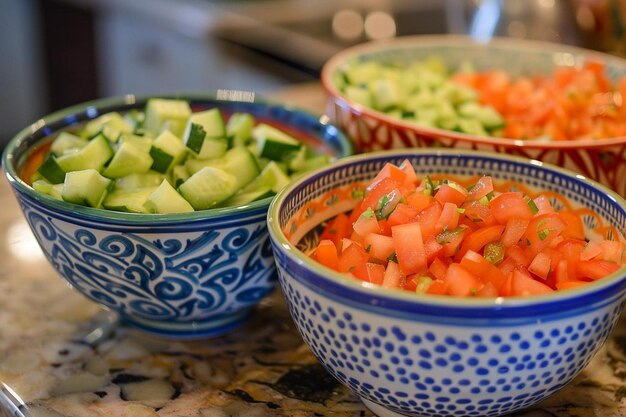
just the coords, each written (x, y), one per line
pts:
(314, 131)
(298, 211)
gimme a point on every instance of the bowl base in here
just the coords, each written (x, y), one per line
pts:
(379, 410)
(210, 327)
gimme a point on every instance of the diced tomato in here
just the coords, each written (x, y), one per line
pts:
(573, 225)
(432, 249)
(366, 224)
(437, 287)
(419, 201)
(375, 192)
(511, 205)
(482, 187)
(326, 254)
(402, 214)
(501, 246)
(340, 227)
(595, 269)
(427, 219)
(479, 238)
(351, 258)
(479, 213)
(541, 230)
(438, 269)
(460, 282)
(411, 177)
(570, 284)
(451, 240)
(477, 265)
(393, 277)
(612, 251)
(378, 246)
(448, 194)
(449, 218)
(540, 265)
(375, 273)
(407, 239)
(524, 285)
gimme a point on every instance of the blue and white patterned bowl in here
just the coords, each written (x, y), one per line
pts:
(177, 275)
(442, 356)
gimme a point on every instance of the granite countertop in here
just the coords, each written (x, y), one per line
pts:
(61, 355)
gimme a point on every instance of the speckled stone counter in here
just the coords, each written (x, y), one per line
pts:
(61, 355)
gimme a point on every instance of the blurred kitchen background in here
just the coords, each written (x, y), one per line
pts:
(55, 53)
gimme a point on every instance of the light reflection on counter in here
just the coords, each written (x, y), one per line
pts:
(22, 243)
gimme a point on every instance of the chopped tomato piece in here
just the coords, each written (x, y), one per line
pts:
(448, 194)
(476, 264)
(595, 269)
(393, 276)
(352, 257)
(438, 269)
(375, 273)
(326, 254)
(461, 282)
(573, 225)
(523, 285)
(402, 214)
(479, 238)
(407, 239)
(449, 218)
(378, 246)
(540, 265)
(340, 227)
(510, 205)
(366, 224)
(482, 187)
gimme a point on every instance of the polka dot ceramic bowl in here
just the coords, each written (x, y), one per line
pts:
(602, 160)
(182, 275)
(406, 355)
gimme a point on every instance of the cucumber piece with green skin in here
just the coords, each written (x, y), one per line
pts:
(94, 155)
(205, 134)
(51, 170)
(86, 187)
(272, 177)
(359, 95)
(167, 150)
(246, 197)
(135, 181)
(128, 159)
(208, 187)
(385, 94)
(179, 175)
(159, 111)
(165, 199)
(130, 201)
(111, 125)
(142, 142)
(45, 187)
(487, 116)
(237, 161)
(239, 128)
(65, 141)
(274, 143)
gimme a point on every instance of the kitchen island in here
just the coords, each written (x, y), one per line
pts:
(62, 355)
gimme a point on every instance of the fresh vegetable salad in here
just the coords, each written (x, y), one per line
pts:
(168, 159)
(437, 236)
(572, 103)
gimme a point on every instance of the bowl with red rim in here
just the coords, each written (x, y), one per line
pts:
(599, 158)
(437, 355)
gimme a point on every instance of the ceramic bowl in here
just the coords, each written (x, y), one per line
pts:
(407, 355)
(176, 275)
(601, 160)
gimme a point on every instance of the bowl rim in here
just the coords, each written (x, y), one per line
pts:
(102, 106)
(417, 41)
(337, 279)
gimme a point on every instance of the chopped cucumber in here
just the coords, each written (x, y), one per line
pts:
(167, 150)
(239, 128)
(134, 181)
(138, 164)
(273, 143)
(159, 111)
(86, 187)
(94, 155)
(165, 199)
(110, 125)
(65, 141)
(131, 201)
(208, 187)
(128, 159)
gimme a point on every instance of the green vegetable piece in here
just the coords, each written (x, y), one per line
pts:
(494, 252)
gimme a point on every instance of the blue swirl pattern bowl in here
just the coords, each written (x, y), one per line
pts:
(407, 355)
(183, 275)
